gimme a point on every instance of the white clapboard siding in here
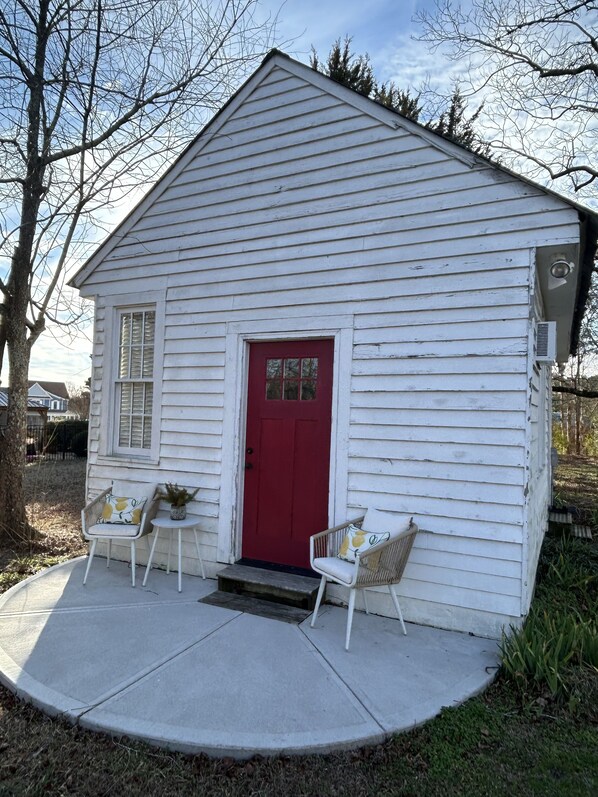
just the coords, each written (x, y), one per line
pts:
(299, 203)
(538, 457)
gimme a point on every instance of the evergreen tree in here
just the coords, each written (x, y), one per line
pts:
(342, 66)
(355, 71)
(454, 124)
(398, 100)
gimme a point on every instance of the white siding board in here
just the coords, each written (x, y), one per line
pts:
(277, 294)
(275, 179)
(450, 471)
(207, 429)
(381, 305)
(466, 564)
(455, 508)
(457, 330)
(448, 527)
(456, 596)
(179, 399)
(185, 435)
(483, 582)
(389, 323)
(477, 493)
(457, 364)
(439, 400)
(192, 412)
(410, 261)
(471, 454)
(335, 225)
(490, 551)
(292, 200)
(374, 430)
(479, 383)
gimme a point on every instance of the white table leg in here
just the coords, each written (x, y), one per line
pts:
(151, 556)
(180, 561)
(203, 572)
(169, 547)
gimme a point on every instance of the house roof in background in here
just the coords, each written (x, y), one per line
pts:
(55, 388)
(32, 404)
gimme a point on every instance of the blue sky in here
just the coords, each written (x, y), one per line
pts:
(381, 28)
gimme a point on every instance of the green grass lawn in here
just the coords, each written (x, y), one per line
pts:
(517, 739)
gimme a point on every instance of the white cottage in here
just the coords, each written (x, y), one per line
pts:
(323, 306)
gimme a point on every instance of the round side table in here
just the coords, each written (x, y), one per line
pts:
(165, 522)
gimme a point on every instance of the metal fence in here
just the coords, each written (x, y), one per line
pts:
(55, 441)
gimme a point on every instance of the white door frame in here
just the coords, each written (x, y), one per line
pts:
(239, 335)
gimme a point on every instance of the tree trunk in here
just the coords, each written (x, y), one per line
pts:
(13, 516)
(14, 527)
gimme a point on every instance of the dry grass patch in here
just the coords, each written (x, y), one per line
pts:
(55, 494)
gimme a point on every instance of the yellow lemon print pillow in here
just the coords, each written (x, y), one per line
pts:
(359, 541)
(124, 511)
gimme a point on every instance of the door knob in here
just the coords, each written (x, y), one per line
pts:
(248, 466)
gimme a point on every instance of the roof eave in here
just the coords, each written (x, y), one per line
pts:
(589, 240)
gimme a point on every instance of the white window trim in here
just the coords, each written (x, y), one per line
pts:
(239, 336)
(108, 447)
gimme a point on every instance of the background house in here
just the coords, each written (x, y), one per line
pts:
(54, 396)
(37, 412)
(323, 306)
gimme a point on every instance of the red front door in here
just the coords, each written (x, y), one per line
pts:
(287, 455)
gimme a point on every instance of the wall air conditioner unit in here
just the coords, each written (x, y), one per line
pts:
(546, 342)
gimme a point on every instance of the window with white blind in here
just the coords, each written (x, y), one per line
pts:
(135, 380)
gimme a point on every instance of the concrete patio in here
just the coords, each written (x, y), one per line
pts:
(157, 665)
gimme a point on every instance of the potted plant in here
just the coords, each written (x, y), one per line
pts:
(178, 497)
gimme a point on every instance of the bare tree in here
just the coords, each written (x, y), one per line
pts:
(79, 398)
(536, 64)
(95, 97)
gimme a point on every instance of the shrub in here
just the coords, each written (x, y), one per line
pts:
(79, 444)
(560, 635)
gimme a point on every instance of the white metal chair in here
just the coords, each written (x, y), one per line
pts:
(382, 565)
(94, 531)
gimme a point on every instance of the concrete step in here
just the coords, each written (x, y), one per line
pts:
(262, 608)
(269, 585)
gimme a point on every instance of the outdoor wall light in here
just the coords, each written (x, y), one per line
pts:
(560, 269)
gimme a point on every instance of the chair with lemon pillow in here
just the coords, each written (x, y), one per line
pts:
(370, 551)
(123, 512)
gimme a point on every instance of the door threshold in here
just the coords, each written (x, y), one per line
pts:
(296, 571)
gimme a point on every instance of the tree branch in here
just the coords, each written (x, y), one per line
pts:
(575, 391)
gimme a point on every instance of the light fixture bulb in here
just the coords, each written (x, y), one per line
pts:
(560, 269)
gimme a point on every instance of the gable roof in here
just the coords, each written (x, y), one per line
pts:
(275, 58)
(32, 404)
(57, 389)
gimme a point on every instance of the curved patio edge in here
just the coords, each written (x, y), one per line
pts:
(157, 666)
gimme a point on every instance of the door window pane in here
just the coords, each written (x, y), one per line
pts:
(291, 368)
(308, 390)
(273, 390)
(309, 367)
(291, 379)
(291, 390)
(273, 368)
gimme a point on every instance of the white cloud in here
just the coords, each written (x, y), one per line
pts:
(59, 360)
